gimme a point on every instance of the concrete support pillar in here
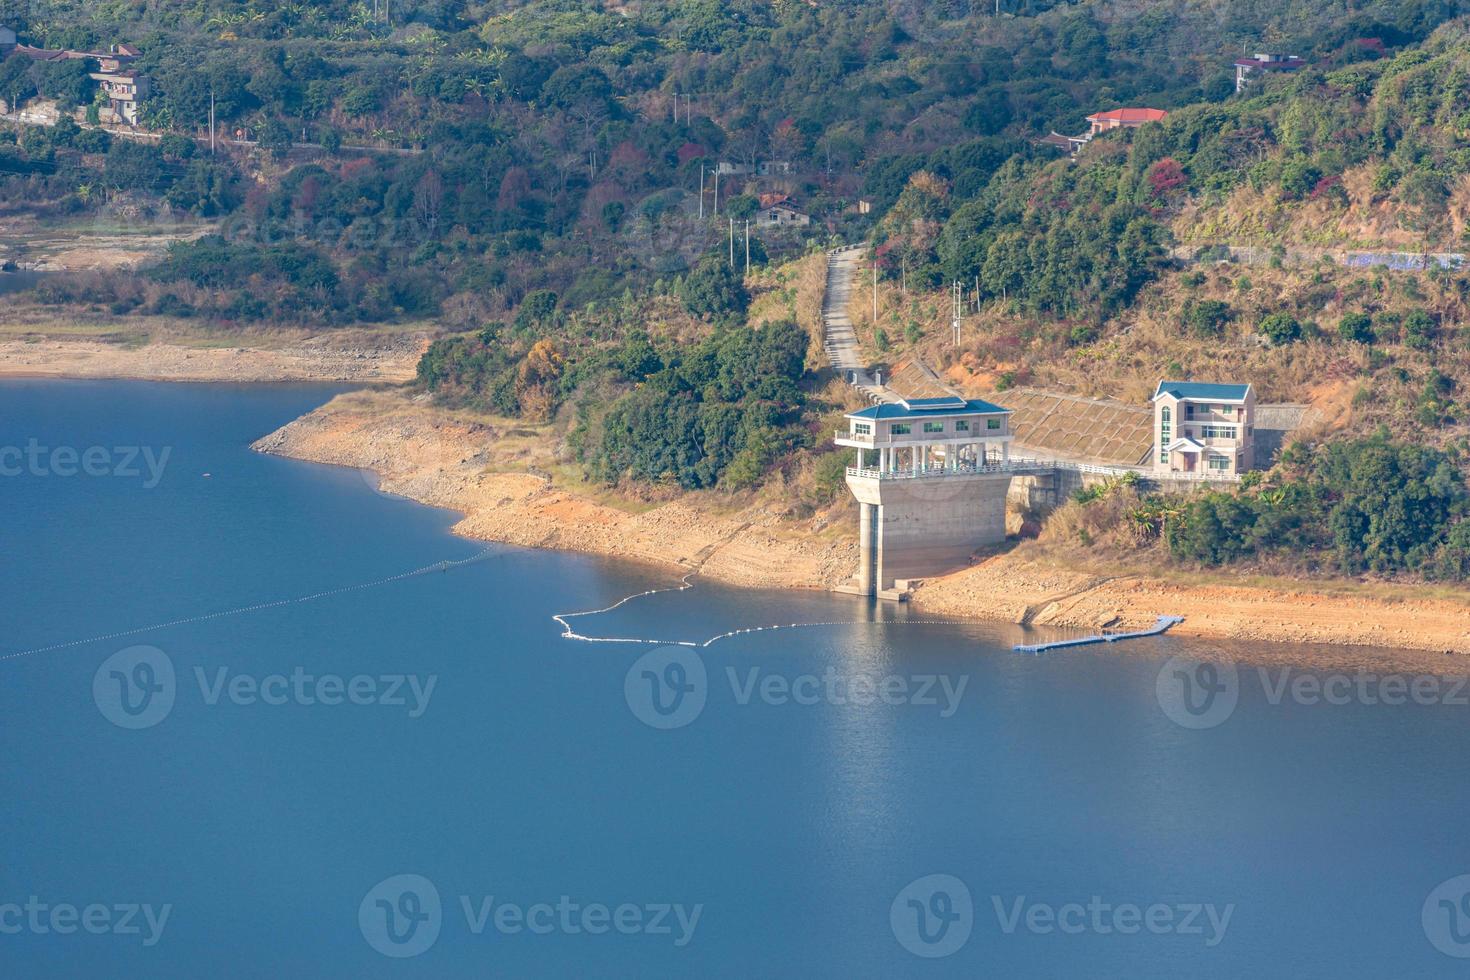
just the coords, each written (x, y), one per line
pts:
(1005, 452)
(867, 553)
(914, 456)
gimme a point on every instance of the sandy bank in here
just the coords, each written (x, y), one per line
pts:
(349, 356)
(496, 476)
(1417, 631)
(499, 476)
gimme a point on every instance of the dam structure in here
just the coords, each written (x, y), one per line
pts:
(931, 476)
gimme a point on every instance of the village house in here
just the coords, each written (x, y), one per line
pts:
(123, 87)
(1264, 63)
(1102, 122)
(781, 216)
(7, 41)
(1204, 429)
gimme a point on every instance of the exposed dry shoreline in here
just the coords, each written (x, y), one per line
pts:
(345, 356)
(497, 476)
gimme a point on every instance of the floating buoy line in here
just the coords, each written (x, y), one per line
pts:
(568, 633)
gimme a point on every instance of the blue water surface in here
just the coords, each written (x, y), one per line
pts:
(533, 776)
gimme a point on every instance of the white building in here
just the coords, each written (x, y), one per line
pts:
(1203, 429)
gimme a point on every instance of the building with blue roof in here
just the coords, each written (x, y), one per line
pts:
(930, 477)
(1203, 429)
(927, 436)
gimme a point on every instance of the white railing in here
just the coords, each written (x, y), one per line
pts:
(1028, 465)
(937, 471)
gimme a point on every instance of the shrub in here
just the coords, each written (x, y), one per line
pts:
(1356, 327)
(1206, 318)
(1281, 329)
(1420, 330)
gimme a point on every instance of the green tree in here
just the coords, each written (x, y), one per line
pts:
(1280, 329)
(713, 290)
(1356, 327)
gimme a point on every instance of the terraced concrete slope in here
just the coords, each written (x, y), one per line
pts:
(1070, 427)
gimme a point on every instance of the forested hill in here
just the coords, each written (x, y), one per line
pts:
(543, 150)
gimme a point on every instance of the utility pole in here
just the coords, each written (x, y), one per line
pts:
(688, 109)
(875, 292)
(717, 192)
(732, 243)
(676, 107)
(701, 192)
(747, 246)
(954, 292)
(211, 120)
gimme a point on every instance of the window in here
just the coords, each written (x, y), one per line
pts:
(961, 425)
(1217, 431)
(1227, 409)
(1189, 410)
(1219, 462)
(900, 429)
(1163, 456)
(1166, 414)
(992, 424)
(862, 429)
(933, 426)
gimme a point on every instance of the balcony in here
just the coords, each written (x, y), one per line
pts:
(935, 472)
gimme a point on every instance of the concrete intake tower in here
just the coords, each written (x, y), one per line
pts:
(931, 477)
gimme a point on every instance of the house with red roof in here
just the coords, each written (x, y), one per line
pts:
(1101, 122)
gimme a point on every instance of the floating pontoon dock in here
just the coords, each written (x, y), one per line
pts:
(1159, 627)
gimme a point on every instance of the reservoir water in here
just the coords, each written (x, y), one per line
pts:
(422, 778)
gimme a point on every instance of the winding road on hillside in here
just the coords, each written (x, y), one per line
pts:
(840, 340)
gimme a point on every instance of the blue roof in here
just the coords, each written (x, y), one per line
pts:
(915, 408)
(1203, 390)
